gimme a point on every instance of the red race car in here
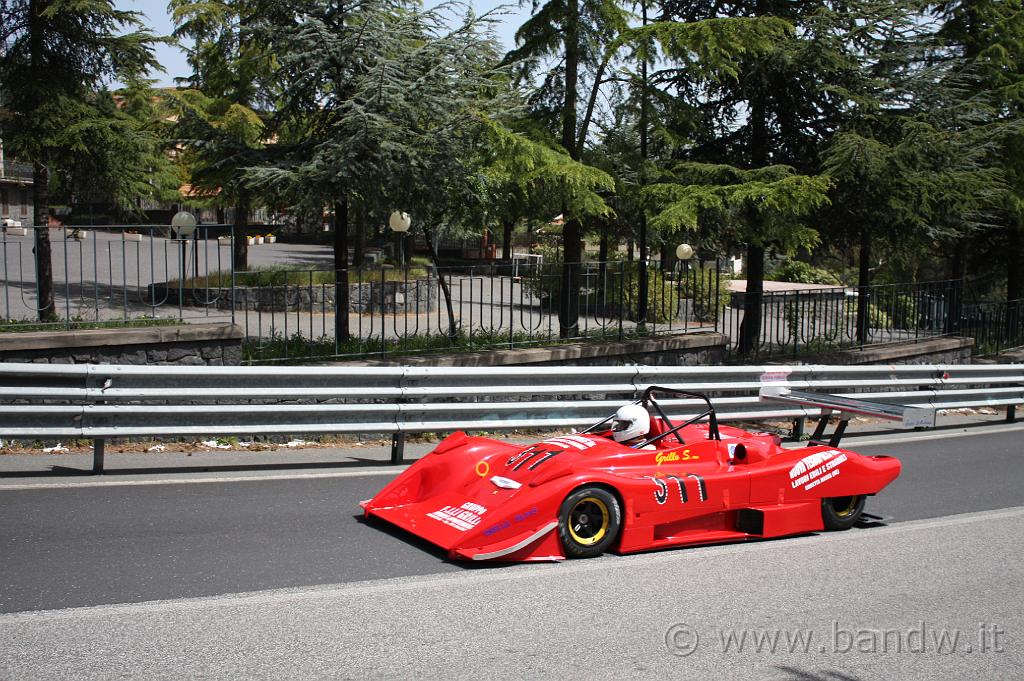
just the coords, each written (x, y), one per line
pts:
(610, 489)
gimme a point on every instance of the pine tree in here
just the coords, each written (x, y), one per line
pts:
(233, 70)
(986, 37)
(54, 56)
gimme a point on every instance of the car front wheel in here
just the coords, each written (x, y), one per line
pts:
(588, 522)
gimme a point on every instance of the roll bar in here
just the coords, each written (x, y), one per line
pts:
(647, 399)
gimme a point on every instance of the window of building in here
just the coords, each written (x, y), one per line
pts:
(24, 203)
(5, 208)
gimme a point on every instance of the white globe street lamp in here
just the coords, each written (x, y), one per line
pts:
(183, 223)
(399, 222)
(684, 251)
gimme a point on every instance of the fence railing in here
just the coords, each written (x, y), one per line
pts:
(108, 401)
(292, 304)
(809, 320)
(114, 275)
(994, 326)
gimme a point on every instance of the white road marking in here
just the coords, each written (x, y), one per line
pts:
(390, 470)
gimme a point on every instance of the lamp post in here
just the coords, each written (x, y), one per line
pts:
(183, 224)
(683, 254)
(399, 222)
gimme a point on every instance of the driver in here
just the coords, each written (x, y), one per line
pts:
(630, 426)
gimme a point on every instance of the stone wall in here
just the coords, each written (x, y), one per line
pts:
(415, 296)
(944, 350)
(694, 349)
(187, 344)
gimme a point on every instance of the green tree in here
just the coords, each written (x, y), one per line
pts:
(784, 103)
(54, 56)
(986, 38)
(116, 154)
(234, 73)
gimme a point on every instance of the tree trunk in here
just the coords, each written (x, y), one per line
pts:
(506, 239)
(1015, 261)
(863, 286)
(750, 329)
(1015, 283)
(359, 248)
(568, 314)
(240, 247)
(40, 181)
(956, 294)
(43, 255)
(644, 288)
(341, 302)
(445, 290)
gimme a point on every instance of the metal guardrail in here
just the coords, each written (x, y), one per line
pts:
(99, 402)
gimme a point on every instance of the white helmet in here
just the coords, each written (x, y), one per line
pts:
(631, 421)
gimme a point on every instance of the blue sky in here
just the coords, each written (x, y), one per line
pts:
(173, 59)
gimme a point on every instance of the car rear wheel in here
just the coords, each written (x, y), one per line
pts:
(588, 522)
(840, 513)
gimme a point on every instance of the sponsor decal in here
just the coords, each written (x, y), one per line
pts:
(814, 469)
(505, 483)
(465, 517)
(505, 524)
(775, 376)
(673, 457)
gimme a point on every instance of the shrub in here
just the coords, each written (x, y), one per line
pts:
(799, 272)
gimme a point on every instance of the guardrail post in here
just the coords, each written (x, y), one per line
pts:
(97, 455)
(1011, 413)
(398, 448)
(798, 428)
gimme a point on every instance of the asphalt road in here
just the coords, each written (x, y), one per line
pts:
(278, 578)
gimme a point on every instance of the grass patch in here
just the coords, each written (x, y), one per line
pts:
(25, 325)
(279, 275)
(298, 349)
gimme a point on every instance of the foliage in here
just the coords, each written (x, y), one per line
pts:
(280, 275)
(74, 323)
(800, 272)
(764, 206)
(116, 153)
(612, 289)
(55, 55)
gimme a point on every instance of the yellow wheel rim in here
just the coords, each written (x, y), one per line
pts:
(588, 521)
(845, 506)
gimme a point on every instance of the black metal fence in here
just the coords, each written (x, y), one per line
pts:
(293, 306)
(805, 319)
(994, 326)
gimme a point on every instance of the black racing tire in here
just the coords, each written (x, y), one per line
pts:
(588, 522)
(840, 513)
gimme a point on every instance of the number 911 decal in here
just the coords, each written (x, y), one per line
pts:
(661, 493)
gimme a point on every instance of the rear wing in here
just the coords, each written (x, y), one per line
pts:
(846, 407)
